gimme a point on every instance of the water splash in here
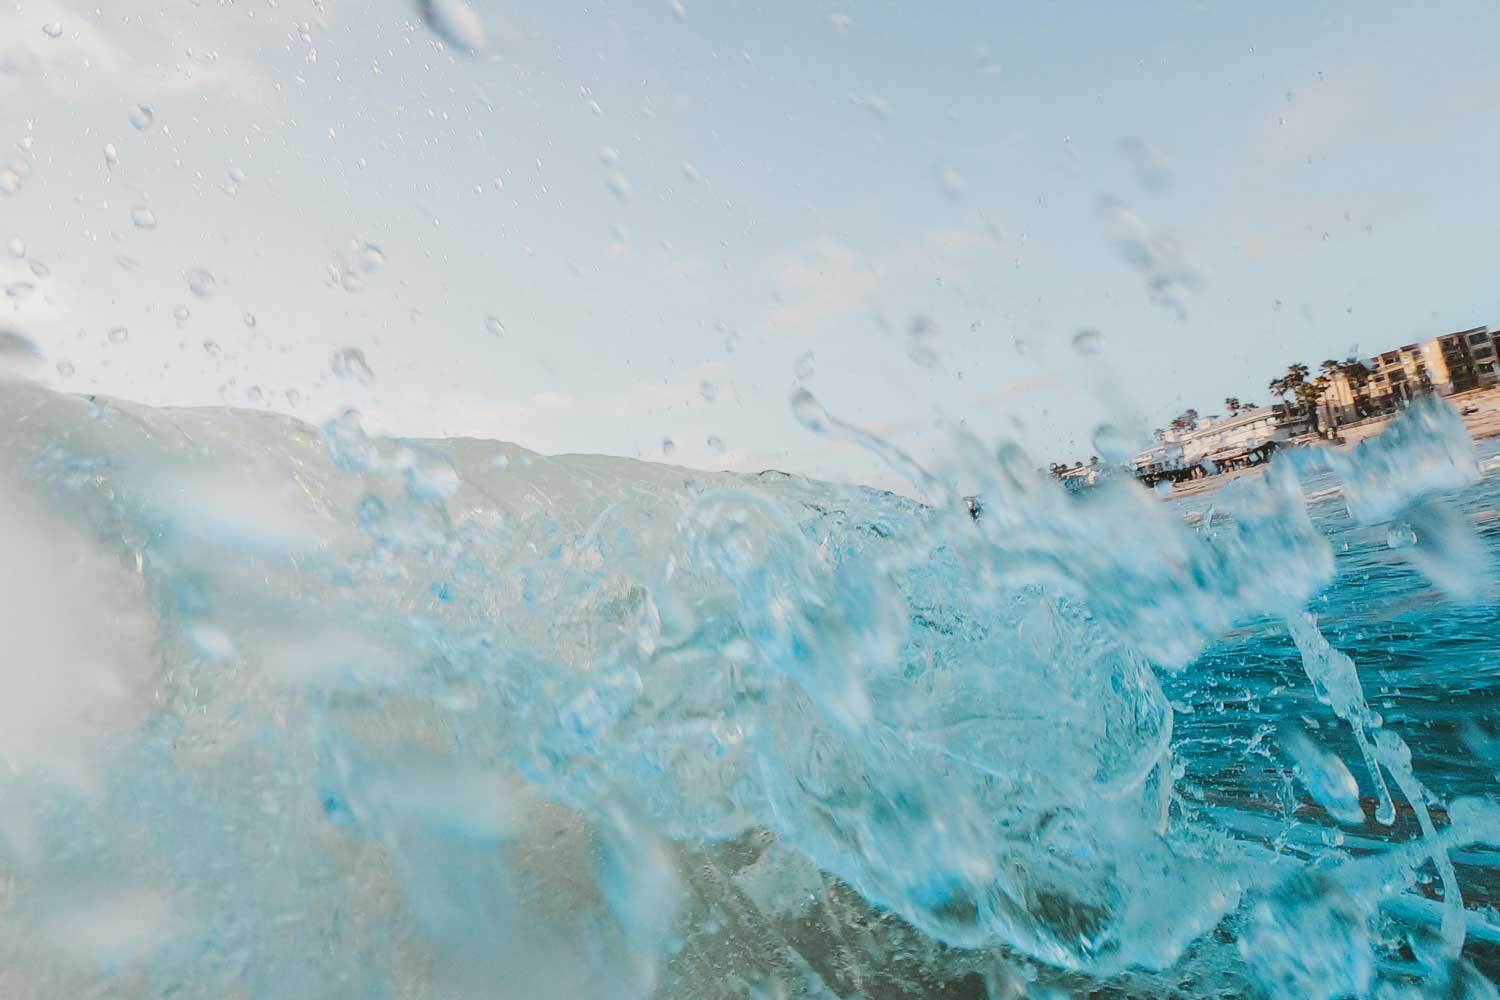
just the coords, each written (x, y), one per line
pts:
(401, 716)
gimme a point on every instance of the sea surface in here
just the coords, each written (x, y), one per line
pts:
(297, 712)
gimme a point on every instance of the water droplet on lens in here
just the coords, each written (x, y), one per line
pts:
(350, 363)
(455, 22)
(15, 345)
(293, 397)
(1113, 444)
(351, 280)
(691, 172)
(212, 349)
(65, 369)
(16, 246)
(716, 443)
(250, 320)
(808, 411)
(39, 269)
(371, 257)
(617, 183)
(119, 335)
(668, 446)
(111, 155)
(10, 181)
(708, 390)
(236, 175)
(142, 117)
(52, 29)
(804, 368)
(143, 217)
(180, 314)
(922, 341)
(201, 282)
(1088, 342)
(609, 155)
(494, 326)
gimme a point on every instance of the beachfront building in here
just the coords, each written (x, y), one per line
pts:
(1217, 443)
(1454, 362)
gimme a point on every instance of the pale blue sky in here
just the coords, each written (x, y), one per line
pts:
(788, 177)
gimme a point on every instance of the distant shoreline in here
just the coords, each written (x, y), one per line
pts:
(1482, 423)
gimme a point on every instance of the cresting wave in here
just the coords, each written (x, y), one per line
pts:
(295, 712)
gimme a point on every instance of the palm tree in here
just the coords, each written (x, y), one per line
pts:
(1295, 378)
(1187, 420)
(1279, 387)
(1232, 404)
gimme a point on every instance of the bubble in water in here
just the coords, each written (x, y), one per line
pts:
(111, 155)
(16, 246)
(142, 117)
(1326, 778)
(212, 349)
(143, 217)
(455, 22)
(180, 314)
(201, 282)
(350, 363)
(65, 369)
(668, 446)
(804, 368)
(52, 29)
(708, 390)
(494, 326)
(119, 335)
(1400, 535)
(1088, 343)
(922, 341)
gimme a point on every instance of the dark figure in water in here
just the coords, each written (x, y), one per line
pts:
(975, 507)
